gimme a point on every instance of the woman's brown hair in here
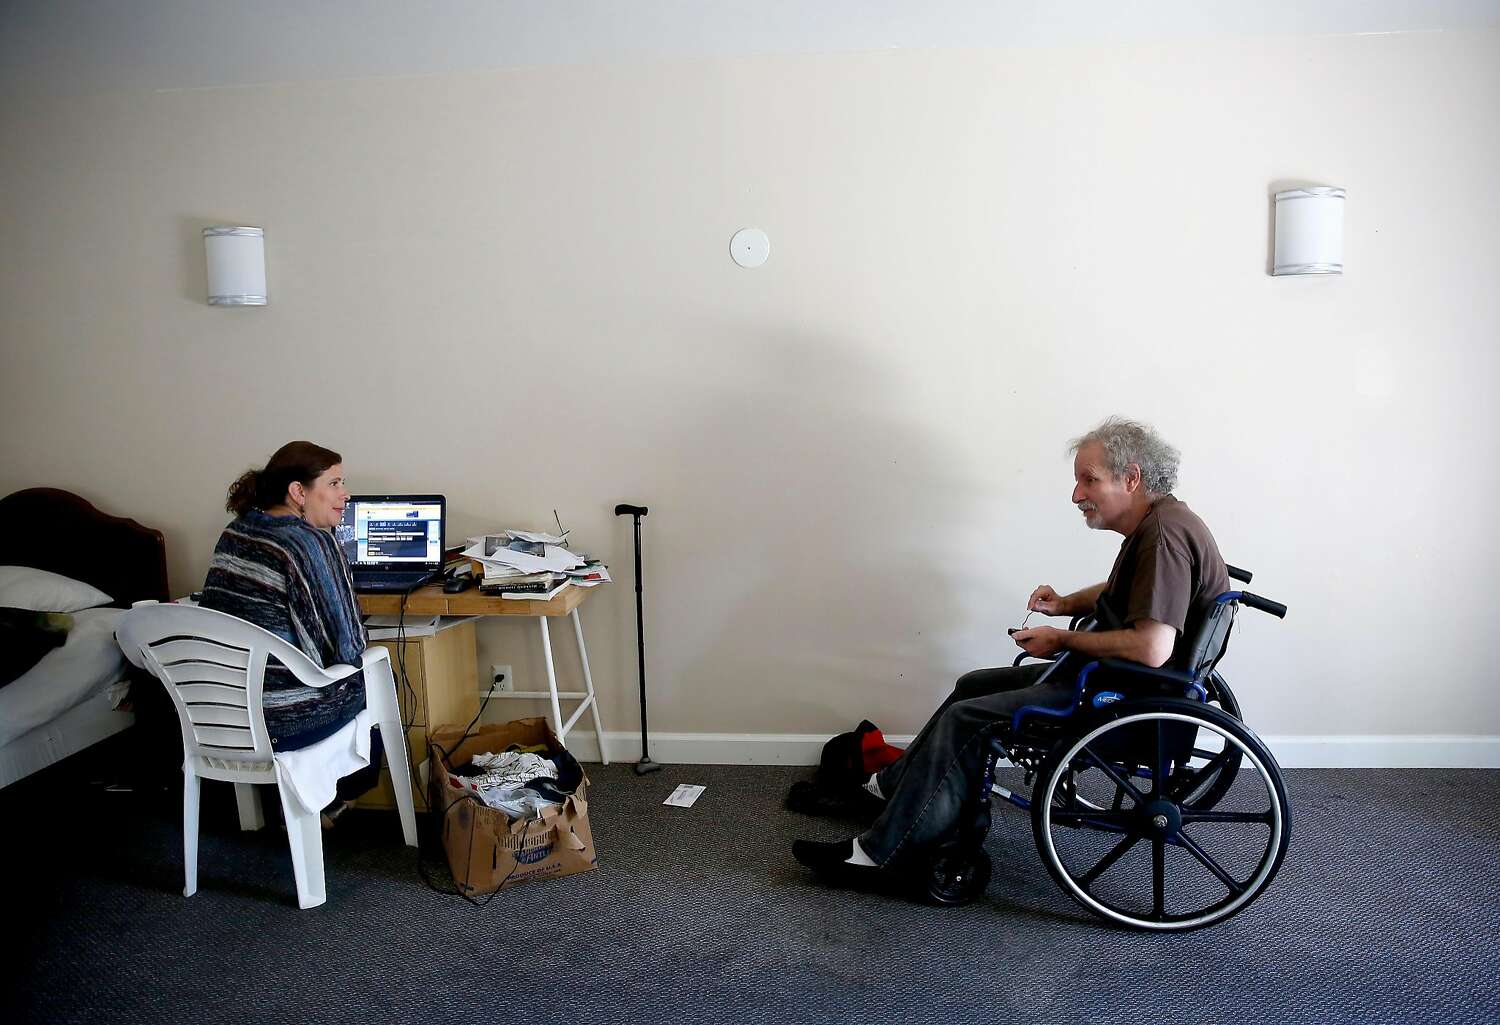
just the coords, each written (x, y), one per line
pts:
(299, 461)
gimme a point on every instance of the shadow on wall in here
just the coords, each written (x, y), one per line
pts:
(803, 569)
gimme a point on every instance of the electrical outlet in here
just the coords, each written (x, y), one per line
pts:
(501, 678)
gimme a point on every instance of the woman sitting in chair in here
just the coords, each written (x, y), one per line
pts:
(279, 567)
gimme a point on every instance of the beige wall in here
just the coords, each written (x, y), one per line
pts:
(854, 455)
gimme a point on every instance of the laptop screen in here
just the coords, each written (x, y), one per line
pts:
(393, 531)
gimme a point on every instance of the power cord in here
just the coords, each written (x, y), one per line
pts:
(407, 721)
(440, 825)
(410, 691)
(422, 864)
(461, 889)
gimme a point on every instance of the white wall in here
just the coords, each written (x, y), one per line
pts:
(855, 455)
(73, 47)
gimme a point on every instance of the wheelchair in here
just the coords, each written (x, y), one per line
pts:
(1152, 804)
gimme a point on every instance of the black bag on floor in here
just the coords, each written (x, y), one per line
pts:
(837, 787)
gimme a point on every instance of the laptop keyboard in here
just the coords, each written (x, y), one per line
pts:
(389, 581)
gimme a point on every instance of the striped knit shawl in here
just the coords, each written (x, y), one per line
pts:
(291, 579)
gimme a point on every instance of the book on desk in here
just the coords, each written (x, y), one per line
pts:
(544, 589)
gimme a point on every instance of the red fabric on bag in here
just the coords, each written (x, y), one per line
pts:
(876, 753)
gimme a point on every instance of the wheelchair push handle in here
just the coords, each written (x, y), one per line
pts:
(1255, 601)
(1235, 573)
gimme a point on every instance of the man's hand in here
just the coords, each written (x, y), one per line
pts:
(1046, 601)
(1041, 641)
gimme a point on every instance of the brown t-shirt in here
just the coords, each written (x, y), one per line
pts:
(1169, 569)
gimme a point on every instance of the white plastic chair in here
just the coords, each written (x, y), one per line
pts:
(213, 665)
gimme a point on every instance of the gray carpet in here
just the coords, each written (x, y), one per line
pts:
(1386, 910)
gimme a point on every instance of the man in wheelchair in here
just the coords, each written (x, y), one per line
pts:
(1162, 588)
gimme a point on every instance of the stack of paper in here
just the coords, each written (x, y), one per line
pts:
(381, 628)
(531, 566)
(505, 555)
(591, 574)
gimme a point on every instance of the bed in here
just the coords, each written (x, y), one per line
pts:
(68, 701)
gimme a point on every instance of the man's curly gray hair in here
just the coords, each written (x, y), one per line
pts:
(1128, 441)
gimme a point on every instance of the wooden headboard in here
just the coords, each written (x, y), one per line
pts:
(51, 529)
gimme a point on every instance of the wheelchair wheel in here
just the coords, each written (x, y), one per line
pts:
(1114, 822)
(1210, 748)
(1221, 696)
(958, 874)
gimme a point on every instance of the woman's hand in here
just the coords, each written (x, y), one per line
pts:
(1046, 601)
(1040, 641)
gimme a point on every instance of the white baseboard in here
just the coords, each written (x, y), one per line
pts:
(1294, 752)
(708, 748)
(1400, 751)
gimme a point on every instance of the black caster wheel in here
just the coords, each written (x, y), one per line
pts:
(958, 876)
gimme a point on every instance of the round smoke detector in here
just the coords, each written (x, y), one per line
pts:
(750, 247)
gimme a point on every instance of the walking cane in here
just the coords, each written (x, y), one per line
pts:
(645, 765)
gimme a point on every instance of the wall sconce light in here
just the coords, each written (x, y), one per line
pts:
(1309, 231)
(236, 266)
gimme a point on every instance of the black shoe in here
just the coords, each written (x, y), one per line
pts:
(811, 797)
(331, 813)
(830, 863)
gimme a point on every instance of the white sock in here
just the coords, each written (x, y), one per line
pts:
(873, 785)
(859, 857)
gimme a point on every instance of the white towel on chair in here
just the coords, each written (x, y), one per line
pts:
(312, 773)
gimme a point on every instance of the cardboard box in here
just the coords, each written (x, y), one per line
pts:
(486, 850)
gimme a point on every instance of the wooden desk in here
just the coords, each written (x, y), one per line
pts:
(442, 689)
(431, 601)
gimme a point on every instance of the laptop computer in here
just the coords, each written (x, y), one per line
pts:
(393, 542)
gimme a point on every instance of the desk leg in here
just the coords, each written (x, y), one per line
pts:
(557, 719)
(588, 685)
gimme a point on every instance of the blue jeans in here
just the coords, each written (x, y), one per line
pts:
(927, 786)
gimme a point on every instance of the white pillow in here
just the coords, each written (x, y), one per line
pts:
(22, 587)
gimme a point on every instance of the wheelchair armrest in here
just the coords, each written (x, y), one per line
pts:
(374, 653)
(1126, 666)
(1023, 656)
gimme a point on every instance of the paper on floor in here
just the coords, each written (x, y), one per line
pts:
(684, 795)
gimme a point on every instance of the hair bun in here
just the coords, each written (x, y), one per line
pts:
(242, 493)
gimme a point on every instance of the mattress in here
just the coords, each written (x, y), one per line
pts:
(80, 727)
(66, 677)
